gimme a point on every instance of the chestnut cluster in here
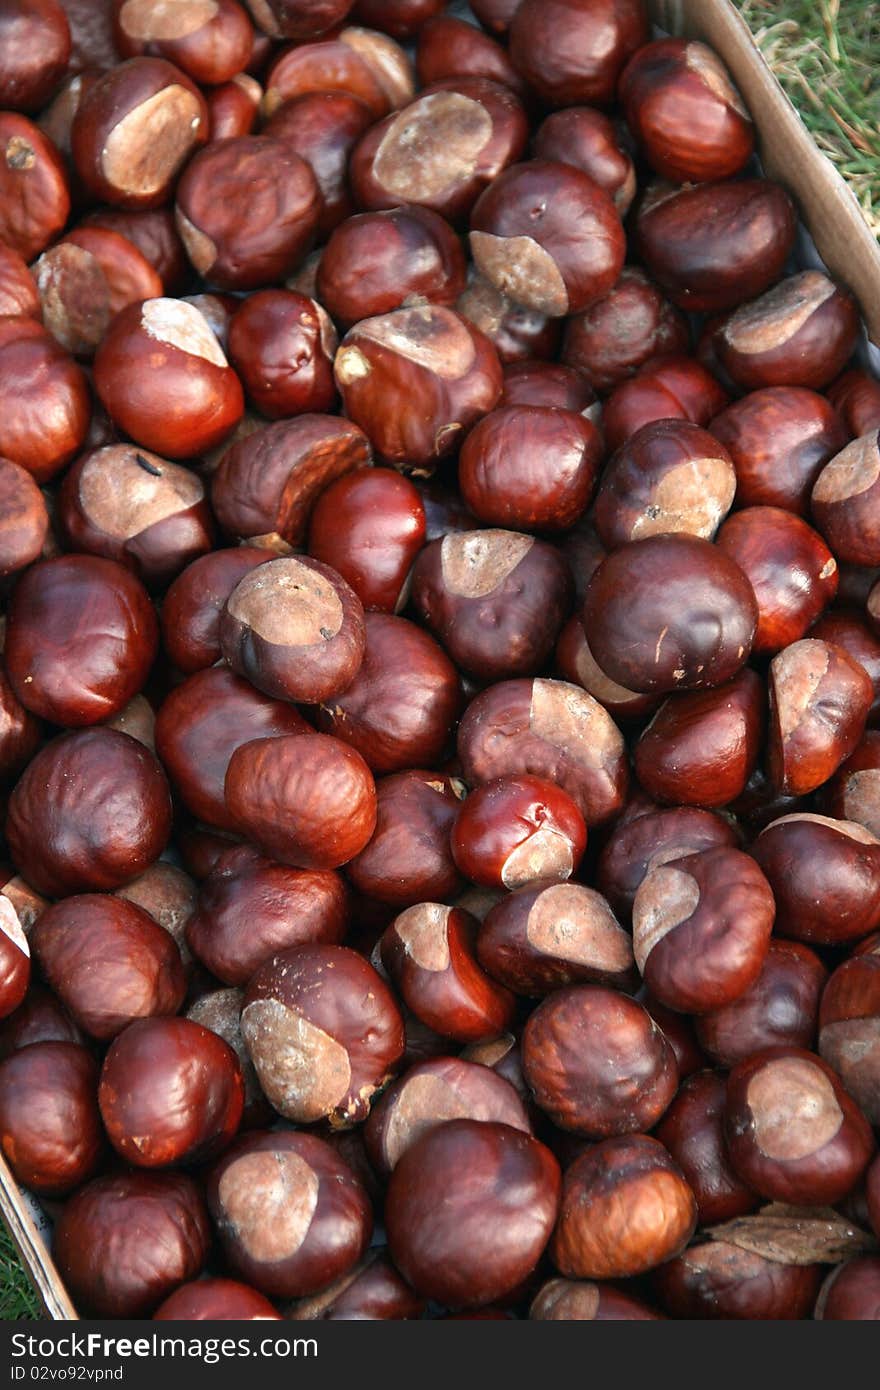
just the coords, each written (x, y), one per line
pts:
(439, 673)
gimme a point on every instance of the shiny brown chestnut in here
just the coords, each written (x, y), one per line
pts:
(574, 50)
(721, 1280)
(249, 908)
(282, 346)
(681, 105)
(529, 468)
(87, 278)
(164, 350)
(323, 128)
(90, 812)
(233, 107)
(359, 62)
(849, 1026)
(369, 526)
(701, 929)
(409, 859)
(402, 19)
(588, 139)
(516, 830)
(295, 629)
(324, 1033)
(134, 130)
(450, 47)
(19, 297)
(220, 1011)
(851, 1292)
(495, 599)
(713, 246)
(644, 842)
(35, 46)
(779, 439)
(819, 701)
(688, 609)
(847, 628)
(568, 1300)
(44, 397)
(466, 1243)
(429, 954)
(845, 501)
(549, 729)
(522, 237)
(666, 388)
(577, 665)
(692, 1131)
(853, 794)
(400, 710)
(213, 1300)
(199, 726)
(596, 1062)
(50, 1128)
(630, 325)
(81, 639)
(800, 333)
(125, 1241)
(793, 1133)
(34, 192)
(191, 608)
(856, 397)
(40, 1018)
(415, 380)
(20, 732)
(516, 332)
(108, 962)
(373, 1291)
(824, 876)
(780, 1008)
(210, 43)
(626, 1208)
(153, 232)
(24, 520)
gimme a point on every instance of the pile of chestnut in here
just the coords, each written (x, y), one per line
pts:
(440, 676)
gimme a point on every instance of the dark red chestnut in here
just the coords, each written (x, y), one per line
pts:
(517, 830)
(516, 332)
(618, 334)
(34, 193)
(168, 894)
(574, 50)
(801, 333)
(494, 15)
(282, 346)
(153, 232)
(847, 628)
(220, 1011)
(19, 296)
(665, 388)
(851, 1292)
(582, 136)
(400, 18)
(40, 1018)
(15, 958)
(192, 606)
(373, 1291)
(324, 1033)
(722, 1280)
(87, 278)
(824, 874)
(233, 107)
(853, 794)
(409, 859)
(213, 1300)
(577, 664)
(567, 1300)
(849, 1026)
(323, 128)
(845, 502)
(646, 841)
(819, 702)
(856, 395)
(35, 48)
(359, 62)
(692, 1130)
(44, 398)
(779, 440)
(451, 47)
(24, 520)
(780, 1007)
(210, 42)
(370, 526)
(50, 1128)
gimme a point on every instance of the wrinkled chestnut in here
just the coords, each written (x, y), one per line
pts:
(90, 812)
(548, 236)
(618, 334)
(282, 346)
(692, 1131)
(596, 1062)
(574, 50)
(819, 701)
(722, 1280)
(780, 1007)
(50, 1128)
(324, 1033)
(466, 1242)
(415, 380)
(409, 858)
(824, 874)
(801, 333)
(517, 830)
(108, 962)
(211, 43)
(34, 193)
(849, 1026)
(125, 1241)
(323, 128)
(851, 1292)
(625, 1209)
(370, 526)
(24, 520)
(44, 398)
(688, 611)
(793, 1133)
(665, 388)
(429, 953)
(213, 1300)
(401, 707)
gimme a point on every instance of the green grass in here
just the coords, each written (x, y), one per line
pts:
(825, 55)
(17, 1296)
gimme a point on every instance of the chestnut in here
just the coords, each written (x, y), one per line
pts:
(220, 1011)
(44, 397)
(470, 1208)
(671, 476)
(409, 858)
(434, 1092)
(295, 629)
(373, 1291)
(215, 1300)
(402, 19)
(24, 520)
(549, 729)
(851, 1292)
(846, 628)
(496, 600)
(849, 1022)
(380, 261)
(577, 665)
(515, 830)
(529, 468)
(414, 380)
(324, 1033)
(34, 192)
(90, 812)
(20, 731)
(793, 573)
(199, 726)
(108, 962)
(134, 130)
(701, 747)
(170, 1092)
(428, 951)
(681, 105)
(494, 15)
(853, 794)
(282, 345)
(35, 46)
(168, 894)
(81, 638)
(87, 278)
(631, 324)
(856, 397)
(442, 150)
(210, 43)
(692, 1131)
(845, 501)
(516, 332)
(793, 1133)
(15, 959)
(125, 1241)
(369, 526)
(233, 107)
(780, 1007)
(153, 232)
(323, 128)
(39, 1018)
(779, 439)
(589, 140)
(161, 350)
(819, 701)
(19, 296)
(268, 481)
(626, 1208)
(596, 1062)
(137, 719)
(401, 707)
(642, 843)
(568, 1300)
(451, 47)
(713, 246)
(666, 388)
(824, 876)
(573, 51)
(249, 908)
(801, 333)
(722, 1280)
(192, 606)
(359, 62)
(523, 237)
(688, 610)
(701, 928)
